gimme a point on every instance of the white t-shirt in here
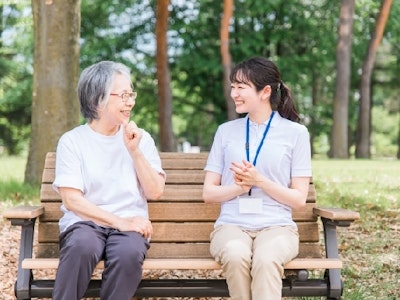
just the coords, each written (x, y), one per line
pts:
(101, 167)
(286, 153)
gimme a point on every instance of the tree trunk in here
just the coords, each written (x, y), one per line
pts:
(55, 108)
(164, 79)
(339, 139)
(398, 142)
(226, 57)
(363, 144)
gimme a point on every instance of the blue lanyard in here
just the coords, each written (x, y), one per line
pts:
(261, 143)
(262, 140)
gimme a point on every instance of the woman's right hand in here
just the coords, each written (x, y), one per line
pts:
(138, 224)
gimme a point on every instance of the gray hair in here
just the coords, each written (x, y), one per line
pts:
(94, 86)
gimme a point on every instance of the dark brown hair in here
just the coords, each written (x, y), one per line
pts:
(262, 72)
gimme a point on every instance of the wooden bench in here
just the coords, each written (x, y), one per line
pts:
(182, 225)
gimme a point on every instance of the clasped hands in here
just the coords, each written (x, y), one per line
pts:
(244, 174)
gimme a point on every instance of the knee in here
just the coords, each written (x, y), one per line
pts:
(131, 256)
(78, 245)
(267, 264)
(236, 253)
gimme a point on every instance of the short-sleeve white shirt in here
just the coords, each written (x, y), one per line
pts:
(286, 153)
(102, 168)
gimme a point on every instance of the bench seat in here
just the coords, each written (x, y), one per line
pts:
(191, 264)
(182, 224)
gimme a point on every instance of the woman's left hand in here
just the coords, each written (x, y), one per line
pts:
(244, 174)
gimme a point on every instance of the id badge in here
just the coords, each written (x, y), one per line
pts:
(250, 205)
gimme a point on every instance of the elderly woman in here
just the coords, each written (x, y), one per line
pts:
(105, 171)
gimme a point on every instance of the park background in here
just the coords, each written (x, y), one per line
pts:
(340, 58)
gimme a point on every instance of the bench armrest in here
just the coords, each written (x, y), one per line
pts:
(20, 213)
(342, 217)
(332, 218)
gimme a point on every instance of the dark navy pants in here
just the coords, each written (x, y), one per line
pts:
(83, 245)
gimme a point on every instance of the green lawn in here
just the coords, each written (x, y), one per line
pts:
(370, 248)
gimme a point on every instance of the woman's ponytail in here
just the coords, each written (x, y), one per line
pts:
(286, 106)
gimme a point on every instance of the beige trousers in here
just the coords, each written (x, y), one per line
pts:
(252, 261)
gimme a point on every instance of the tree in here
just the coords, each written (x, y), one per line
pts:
(226, 56)
(340, 130)
(363, 144)
(55, 107)
(15, 76)
(164, 78)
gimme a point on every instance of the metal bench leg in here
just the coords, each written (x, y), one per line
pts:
(24, 277)
(331, 244)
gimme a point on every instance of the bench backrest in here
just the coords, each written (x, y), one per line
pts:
(182, 222)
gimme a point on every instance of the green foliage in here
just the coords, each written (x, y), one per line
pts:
(15, 76)
(384, 132)
(300, 36)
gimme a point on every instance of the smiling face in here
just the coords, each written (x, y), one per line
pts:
(245, 97)
(248, 100)
(116, 111)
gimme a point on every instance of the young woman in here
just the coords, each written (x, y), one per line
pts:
(259, 169)
(105, 171)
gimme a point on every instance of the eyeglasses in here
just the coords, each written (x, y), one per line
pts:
(125, 96)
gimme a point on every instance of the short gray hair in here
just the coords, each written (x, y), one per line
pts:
(94, 86)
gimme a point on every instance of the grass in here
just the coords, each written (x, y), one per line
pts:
(12, 189)
(370, 247)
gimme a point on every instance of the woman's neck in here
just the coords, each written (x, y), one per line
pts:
(260, 117)
(101, 128)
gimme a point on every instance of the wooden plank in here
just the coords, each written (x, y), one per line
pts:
(170, 160)
(312, 194)
(178, 211)
(185, 177)
(47, 193)
(50, 160)
(337, 214)
(23, 212)
(175, 160)
(190, 264)
(172, 192)
(180, 250)
(48, 175)
(178, 192)
(183, 212)
(179, 232)
(202, 250)
(52, 212)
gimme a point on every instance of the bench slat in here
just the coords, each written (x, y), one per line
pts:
(163, 211)
(192, 264)
(179, 232)
(173, 192)
(179, 250)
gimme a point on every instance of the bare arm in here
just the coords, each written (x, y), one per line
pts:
(74, 201)
(213, 191)
(294, 196)
(151, 181)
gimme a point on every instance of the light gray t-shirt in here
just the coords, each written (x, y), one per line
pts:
(101, 167)
(286, 153)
